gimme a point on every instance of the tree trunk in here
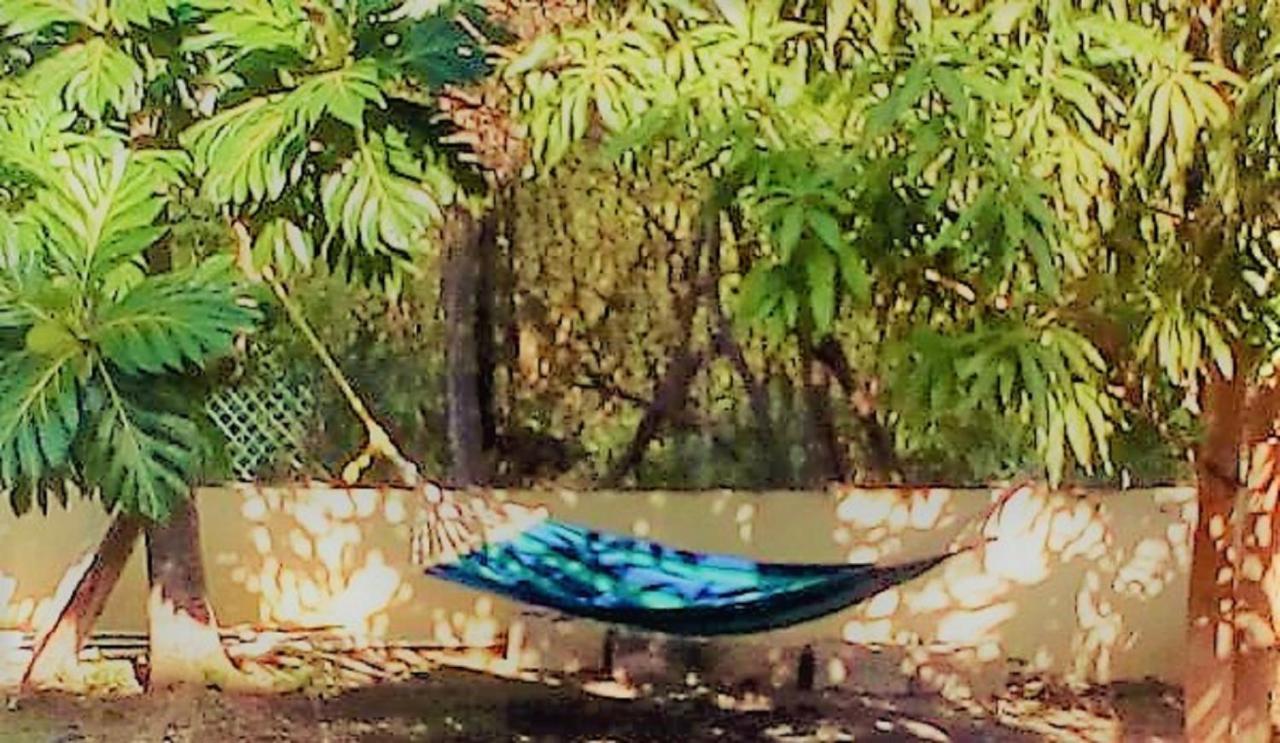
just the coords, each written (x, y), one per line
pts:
(486, 327)
(57, 648)
(829, 452)
(881, 459)
(668, 400)
(461, 284)
(1208, 685)
(185, 647)
(1256, 597)
(727, 345)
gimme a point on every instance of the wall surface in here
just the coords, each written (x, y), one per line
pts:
(1086, 585)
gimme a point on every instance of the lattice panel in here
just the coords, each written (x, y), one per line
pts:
(265, 419)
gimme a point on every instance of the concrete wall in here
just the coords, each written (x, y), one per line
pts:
(1090, 586)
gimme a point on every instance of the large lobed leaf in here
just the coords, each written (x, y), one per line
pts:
(372, 204)
(248, 26)
(171, 322)
(143, 460)
(98, 212)
(40, 416)
(252, 152)
(20, 17)
(96, 77)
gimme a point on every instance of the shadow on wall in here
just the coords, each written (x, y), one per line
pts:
(1089, 586)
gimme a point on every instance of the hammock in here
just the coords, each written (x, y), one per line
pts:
(520, 553)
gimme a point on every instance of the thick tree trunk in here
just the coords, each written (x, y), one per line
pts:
(1209, 689)
(463, 412)
(487, 311)
(57, 647)
(1256, 598)
(185, 647)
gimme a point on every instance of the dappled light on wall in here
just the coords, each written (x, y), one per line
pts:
(314, 563)
(965, 615)
(1074, 583)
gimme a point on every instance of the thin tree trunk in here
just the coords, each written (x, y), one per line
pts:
(832, 464)
(882, 461)
(728, 347)
(57, 648)
(671, 394)
(1209, 689)
(461, 283)
(667, 401)
(1255, 610)
(185, 647)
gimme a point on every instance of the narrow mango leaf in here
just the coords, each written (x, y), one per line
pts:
(735, 12)
(1078, 434)
(839, 13)
(820, 269)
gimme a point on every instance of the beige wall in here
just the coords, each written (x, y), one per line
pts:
(1088, 585)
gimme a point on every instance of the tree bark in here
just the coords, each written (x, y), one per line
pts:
(728, 347)
(829, 453)
(185, 647)
(669, 399)
(57, 648)
(1209, 688)
(882, 461)
(461, 284)
(487, 310)
(1256, 599)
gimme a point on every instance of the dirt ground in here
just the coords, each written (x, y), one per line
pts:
(458, 705)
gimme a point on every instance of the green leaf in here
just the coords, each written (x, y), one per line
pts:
(839, 13)
(1055, 449)
(20, 17)
(541, 50)
(789, 235)
(855, 275)
(735, 12)
(827, 229)
(1004, 16)
(377, 209)
(255, 150)
(282, 245)
(1075, 92)
(171, 322)
(39, 417)
(99, 210)
(820, 268)
(140, 13)
(438, 51)
(1078, 435)
(144, 460)
(248, 26)
(761, 291)
(95, 77)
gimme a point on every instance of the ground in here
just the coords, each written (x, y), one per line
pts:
(459, 705)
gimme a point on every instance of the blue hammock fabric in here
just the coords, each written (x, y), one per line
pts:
(636, 582)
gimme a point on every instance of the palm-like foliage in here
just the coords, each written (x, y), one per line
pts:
(308, 124)
(94, 346)
(327, 111)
